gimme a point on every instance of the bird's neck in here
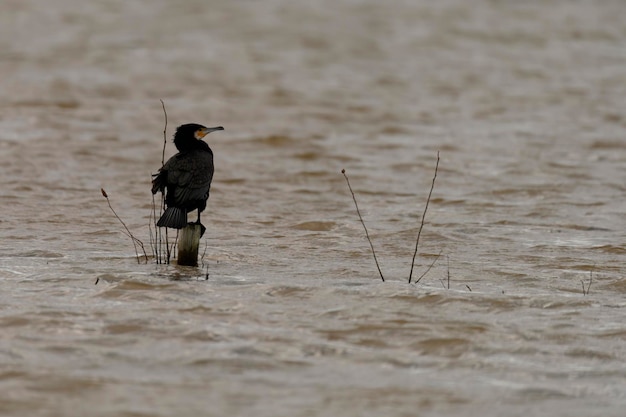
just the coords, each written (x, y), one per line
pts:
(195, 145)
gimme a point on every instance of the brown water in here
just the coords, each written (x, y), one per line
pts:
(525, 103)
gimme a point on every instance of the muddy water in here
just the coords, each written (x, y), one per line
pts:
(525, 104)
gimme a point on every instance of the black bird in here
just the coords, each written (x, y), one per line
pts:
(186, 175)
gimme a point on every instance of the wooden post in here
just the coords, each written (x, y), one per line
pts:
(188, 244)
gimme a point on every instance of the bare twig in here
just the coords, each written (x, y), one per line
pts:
(206, 245)
(343, 171)
(162, 253)
(171, 249)
(448, 259)
(206, 266)
(417, 241)
(168, 254)
(586, 291)
(429, 268)
(128, 232)
(162, 210)
(155, 242)
(164, 133)
(151, 241)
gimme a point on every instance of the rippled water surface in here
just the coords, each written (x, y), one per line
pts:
(525, 101)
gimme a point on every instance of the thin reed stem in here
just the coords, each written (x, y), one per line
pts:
(343, 171)
(448, 259)
(155, 247)
(128, 232)
(167, 246)
(162, 252)
(419, 233)
(150, 228)
(205, 266)
(429, 268)
(167, 254)
(586, 292)
(164, 133)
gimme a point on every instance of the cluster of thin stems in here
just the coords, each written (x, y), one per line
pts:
(159, 239)
(419, 233)
(162, 249)
(127, 232)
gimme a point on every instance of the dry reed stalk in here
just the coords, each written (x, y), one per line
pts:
(419, 233)
(343, 171)
(586, 292)
(154, 240)
(128, 232)
(448, 259)
(428, 269)
(205, 266)
(161, 247)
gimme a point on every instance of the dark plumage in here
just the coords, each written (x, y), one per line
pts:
(186, 176)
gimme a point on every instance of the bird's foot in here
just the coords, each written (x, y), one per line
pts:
(202, 228)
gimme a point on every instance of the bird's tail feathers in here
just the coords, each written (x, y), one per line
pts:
(174, 217)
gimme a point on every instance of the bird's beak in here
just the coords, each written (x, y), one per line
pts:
(206, 130)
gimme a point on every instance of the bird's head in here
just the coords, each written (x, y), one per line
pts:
(189, 133)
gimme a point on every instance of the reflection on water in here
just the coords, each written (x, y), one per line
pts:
(524, 103)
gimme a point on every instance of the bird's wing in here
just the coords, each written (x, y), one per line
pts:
(159, 181)
(189, 175)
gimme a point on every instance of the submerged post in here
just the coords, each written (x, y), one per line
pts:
(188, 245)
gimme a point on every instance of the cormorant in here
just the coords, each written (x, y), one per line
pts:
(186, 175)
